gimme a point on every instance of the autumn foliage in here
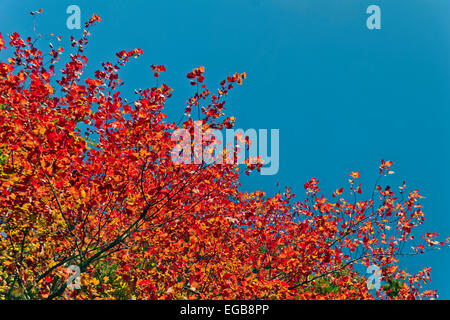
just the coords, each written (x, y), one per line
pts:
(87, 179)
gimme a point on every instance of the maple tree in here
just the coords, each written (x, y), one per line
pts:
(87, 179)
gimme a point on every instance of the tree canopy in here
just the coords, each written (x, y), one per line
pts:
(87, 179)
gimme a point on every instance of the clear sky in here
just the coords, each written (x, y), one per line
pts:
(343, 96)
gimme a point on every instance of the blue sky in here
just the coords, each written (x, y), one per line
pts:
(343, 96)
